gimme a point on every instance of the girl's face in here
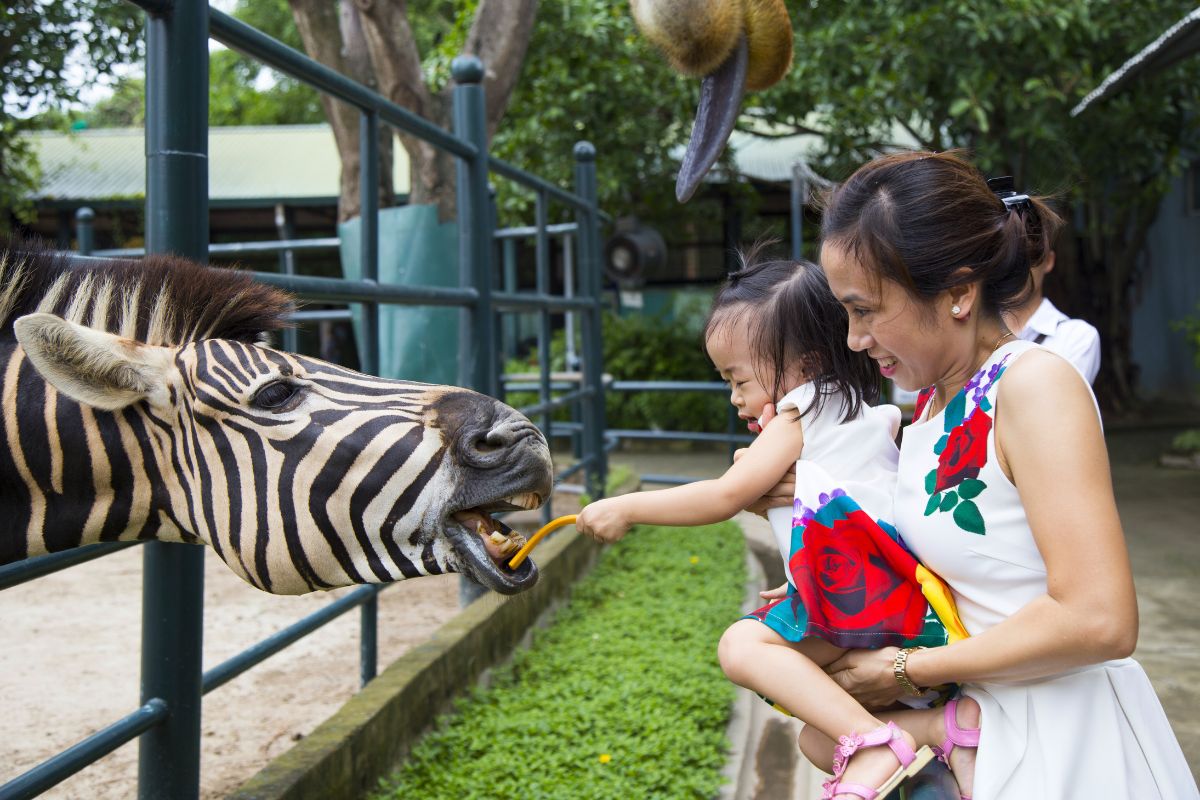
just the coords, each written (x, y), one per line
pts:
(728, 346)
(887, 323)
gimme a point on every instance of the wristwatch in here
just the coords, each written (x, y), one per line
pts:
(900, 670)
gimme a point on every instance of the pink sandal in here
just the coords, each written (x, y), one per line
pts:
(848, 745)
(955, 736)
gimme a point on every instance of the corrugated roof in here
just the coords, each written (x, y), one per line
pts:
(1179, 41)
(253, 162)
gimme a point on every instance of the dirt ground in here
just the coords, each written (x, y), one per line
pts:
(69, 665)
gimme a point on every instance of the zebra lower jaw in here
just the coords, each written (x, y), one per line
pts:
(484, 545)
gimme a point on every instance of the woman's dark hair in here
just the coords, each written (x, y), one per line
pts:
(929, 222)
(793, 320)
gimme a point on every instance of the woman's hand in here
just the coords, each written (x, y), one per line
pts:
(867, 676)
(776, 593)
(603, 520)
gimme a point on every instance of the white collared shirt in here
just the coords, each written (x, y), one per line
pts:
(1073, 339)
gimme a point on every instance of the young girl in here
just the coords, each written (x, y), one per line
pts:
(775, 333)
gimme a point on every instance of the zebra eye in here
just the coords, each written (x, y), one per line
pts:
(275, 395)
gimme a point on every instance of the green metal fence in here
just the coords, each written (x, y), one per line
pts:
(172, 679)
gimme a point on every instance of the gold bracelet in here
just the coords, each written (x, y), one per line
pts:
(900, 670)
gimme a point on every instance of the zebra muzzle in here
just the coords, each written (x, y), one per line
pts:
(500, 541)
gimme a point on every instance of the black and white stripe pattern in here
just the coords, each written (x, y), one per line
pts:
(300, 474)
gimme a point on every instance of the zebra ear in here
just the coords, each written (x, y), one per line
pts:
(92, 367)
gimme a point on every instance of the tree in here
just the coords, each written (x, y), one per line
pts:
(376, 43)
(1000, 79)
(41, 42)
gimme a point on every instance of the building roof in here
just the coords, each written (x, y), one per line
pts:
(266, 163)
(1178, 42)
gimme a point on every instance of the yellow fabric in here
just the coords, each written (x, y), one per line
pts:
(942, 603)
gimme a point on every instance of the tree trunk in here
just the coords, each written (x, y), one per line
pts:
(377, 37)
(336, 40)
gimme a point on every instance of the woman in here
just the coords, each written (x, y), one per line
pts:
(1003, 490)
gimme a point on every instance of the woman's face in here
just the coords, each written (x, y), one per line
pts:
(909, 346)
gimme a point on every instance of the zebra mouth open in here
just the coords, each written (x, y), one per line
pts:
(485, 545)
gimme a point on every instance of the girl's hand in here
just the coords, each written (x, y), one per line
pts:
(776, 593)
(603, 520)
(867, 676)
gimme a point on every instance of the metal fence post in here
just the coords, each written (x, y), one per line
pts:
(591, 282)
(476, 348)
(176, 222)
(85, 235)
(368, 178)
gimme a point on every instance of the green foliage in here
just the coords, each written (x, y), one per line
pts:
(589, 75)
(620, 698)
(48, 50)
(1190, 327)
(1187, 442)
(646, 348)
(1000, 79)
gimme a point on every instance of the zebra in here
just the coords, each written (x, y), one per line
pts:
(140, 400)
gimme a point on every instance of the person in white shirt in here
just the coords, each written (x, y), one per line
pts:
(1037, 320)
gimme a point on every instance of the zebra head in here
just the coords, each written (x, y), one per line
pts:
(300, 474)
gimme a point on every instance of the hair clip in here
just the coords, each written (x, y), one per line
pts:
(1002, 187)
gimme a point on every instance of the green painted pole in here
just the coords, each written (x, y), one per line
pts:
(476, 347)
(368, 179)
(176, 222)
(591, 282)
(85, 232)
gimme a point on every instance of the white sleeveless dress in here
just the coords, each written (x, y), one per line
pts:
(1094, 732)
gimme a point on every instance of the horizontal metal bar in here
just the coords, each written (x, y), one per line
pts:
(521, 301)
(154, 7)
(565, 428)
(327, 315)
(21, 571)
(534, 182)
(562, 228)
(62, 766)
(525, 386)
(689, 436)
(571, 470)
(241, 37)
(336, 290)
(239, 248)
(557, 402)
(677, 480)
(256, 654)
(668, 386)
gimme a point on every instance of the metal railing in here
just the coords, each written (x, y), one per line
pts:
(167, 723)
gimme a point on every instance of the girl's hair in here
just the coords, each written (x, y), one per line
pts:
(794, 321)
(929, 222)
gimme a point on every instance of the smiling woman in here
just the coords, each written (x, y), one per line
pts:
(1003, 489)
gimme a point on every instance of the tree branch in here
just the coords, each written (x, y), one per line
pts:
(500, 35)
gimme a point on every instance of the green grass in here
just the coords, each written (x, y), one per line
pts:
(621, 697)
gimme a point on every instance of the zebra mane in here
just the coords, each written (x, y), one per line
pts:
(160, 300)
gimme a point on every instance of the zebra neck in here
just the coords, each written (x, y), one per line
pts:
(71, 475)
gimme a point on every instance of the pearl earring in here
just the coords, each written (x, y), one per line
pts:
(955, 310)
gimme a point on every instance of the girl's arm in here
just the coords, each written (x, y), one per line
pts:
(1056, 456)
(770, 456)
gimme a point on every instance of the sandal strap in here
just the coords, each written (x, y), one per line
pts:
(865, 792)
(954, 734)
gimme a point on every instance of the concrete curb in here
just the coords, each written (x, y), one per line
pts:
(741, 732)
(347, 754)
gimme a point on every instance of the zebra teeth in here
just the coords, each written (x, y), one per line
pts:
(527, 500)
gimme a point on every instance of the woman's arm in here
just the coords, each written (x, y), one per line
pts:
(772, 453)
(1049, 441)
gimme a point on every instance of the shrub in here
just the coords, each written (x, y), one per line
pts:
(620, 698)
(646, 348)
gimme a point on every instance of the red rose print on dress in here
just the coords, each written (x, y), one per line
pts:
(965, 452)
(850, 575)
